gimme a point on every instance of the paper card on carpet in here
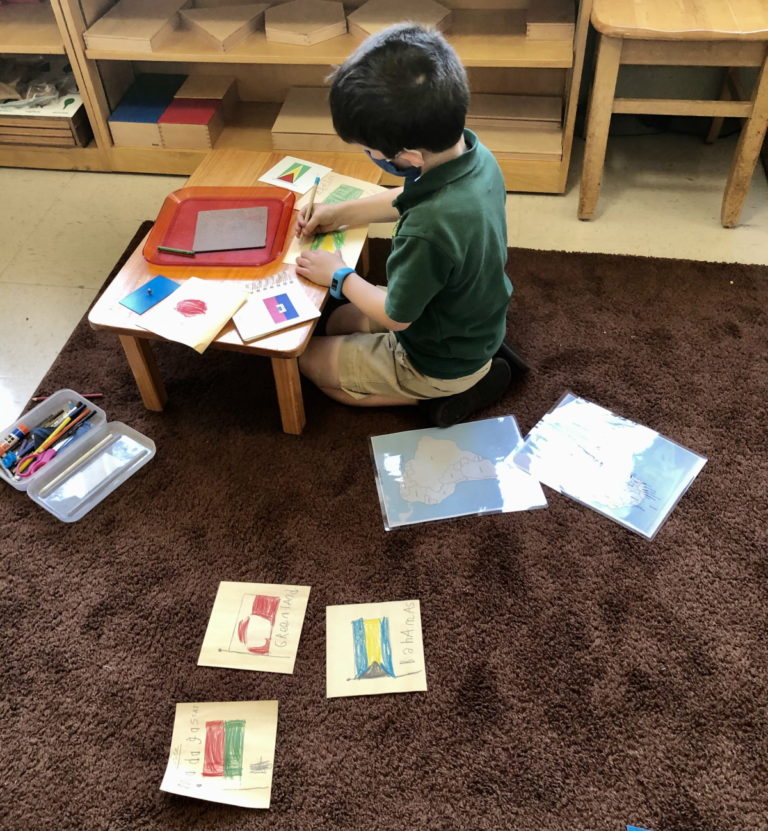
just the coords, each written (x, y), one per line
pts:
(255, 626)
(348, 242)
(626, 472)
(435, 474)
(231, 229)
(374, 648)
(195, 313)
(294, 174)
(223, 752)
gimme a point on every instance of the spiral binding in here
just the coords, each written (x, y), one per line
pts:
(282, 278)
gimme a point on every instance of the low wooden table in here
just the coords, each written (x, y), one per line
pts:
(223, 168)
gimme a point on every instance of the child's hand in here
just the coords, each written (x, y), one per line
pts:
(324, 218)
(318, 266)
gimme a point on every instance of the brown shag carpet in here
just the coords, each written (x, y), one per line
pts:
(580, 677)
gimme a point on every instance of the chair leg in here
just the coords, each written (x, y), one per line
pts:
(747, 151)
(600, 109)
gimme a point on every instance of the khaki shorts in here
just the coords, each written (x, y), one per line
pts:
(376, 364)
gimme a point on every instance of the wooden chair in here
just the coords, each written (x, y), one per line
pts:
(681, 33)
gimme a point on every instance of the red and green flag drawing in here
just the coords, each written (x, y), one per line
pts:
(223, 754)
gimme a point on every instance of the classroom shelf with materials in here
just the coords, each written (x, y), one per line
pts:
(492, 38)
(39, 29)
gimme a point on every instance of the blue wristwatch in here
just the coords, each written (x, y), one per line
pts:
(337, 281)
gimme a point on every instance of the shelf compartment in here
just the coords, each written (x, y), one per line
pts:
(52, 158)
(29, 29)
(481, 37)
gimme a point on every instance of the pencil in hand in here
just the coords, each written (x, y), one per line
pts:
(311, 203)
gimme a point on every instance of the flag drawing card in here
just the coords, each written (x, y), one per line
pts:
(347, 241)
(295, 174)
(273, 309)
(255, 626)
(223, 752)
(374, 648)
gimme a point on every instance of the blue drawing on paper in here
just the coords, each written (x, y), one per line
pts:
(373, 648)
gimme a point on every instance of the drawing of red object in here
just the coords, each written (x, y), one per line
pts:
(190, 308)
(255, 631)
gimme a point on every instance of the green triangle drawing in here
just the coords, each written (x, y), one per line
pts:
(294, 172)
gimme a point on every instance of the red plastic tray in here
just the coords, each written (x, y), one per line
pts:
(175, 225)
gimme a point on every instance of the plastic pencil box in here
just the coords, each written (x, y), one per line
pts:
(88, 469)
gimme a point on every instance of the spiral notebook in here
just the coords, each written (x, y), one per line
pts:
(274, 304)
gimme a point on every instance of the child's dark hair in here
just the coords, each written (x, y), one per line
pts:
(404, 87)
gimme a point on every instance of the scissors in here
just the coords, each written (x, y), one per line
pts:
(46, 456)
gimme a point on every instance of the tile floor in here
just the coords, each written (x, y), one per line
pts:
(63, 231)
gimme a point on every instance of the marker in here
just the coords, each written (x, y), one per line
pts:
(14, 437)
(183, 251)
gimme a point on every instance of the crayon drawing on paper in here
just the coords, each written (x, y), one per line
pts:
(334, 187)
(255, 626)
(374, 648)
(252, 632)
(334, 240)
(223, 752)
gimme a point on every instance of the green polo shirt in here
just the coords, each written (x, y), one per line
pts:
(445, 275)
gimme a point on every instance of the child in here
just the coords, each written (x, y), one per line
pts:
(434, 333)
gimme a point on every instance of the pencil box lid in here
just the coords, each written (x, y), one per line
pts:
(108, 455)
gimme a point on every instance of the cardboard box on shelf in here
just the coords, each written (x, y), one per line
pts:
(518, 107)
(304, 122)
(62, 123)
(305, 22)
(191, 123)
(134, 25)
(224, 27)
(376, 15)
(221, 87)
(134, 122)
(528, 140)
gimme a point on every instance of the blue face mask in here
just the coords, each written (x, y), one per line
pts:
(409, 173)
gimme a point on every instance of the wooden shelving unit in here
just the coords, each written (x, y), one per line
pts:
(491, 43)
(39, 29)
(29, 29)
(484, 38)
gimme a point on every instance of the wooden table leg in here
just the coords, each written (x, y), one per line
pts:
(288, 384)
(600, 109)
(141, 360)
(747, 151)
